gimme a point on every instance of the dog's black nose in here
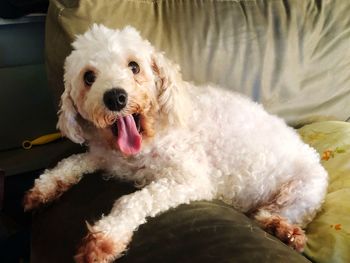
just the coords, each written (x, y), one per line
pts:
(115, 99)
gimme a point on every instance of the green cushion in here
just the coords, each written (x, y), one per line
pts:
(329, 233)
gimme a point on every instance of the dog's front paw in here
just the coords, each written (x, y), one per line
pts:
(38, 196)
(32, 199)
(97, 247)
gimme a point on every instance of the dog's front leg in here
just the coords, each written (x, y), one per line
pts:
(52, 183)
(110, 236)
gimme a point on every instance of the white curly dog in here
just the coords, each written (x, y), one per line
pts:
(177, 142)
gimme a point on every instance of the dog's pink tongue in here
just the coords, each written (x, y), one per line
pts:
(129, 139)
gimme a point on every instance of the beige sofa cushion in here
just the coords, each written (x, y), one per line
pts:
(293, 56)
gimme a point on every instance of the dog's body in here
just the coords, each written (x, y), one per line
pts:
(198, 143)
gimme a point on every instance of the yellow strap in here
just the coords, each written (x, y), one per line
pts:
(41, 140)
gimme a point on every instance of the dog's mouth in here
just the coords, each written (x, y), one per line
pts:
(127, 130)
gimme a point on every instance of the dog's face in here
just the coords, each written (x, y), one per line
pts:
(118, 90)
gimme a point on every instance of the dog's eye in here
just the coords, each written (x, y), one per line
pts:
(135, 68)
(89, 78)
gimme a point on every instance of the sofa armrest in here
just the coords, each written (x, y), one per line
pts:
(198, 232)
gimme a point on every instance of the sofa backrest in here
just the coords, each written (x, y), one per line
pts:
(292, 56)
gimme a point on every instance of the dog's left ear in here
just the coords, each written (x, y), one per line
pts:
(172, 97)
(67, 122)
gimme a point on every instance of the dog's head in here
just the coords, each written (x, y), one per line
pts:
(119, 90)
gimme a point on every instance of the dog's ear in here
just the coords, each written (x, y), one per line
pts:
(172, 97)
(67, 119)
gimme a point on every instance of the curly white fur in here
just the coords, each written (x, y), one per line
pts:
(199, 143)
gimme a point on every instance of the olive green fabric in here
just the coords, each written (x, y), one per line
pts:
(329, 233)
(197, 233)
(291, 55)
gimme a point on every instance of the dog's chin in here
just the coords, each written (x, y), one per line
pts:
(127, 134)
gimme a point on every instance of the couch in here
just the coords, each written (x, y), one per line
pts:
(291, 56)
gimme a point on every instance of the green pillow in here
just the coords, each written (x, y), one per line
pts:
(329, 233)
